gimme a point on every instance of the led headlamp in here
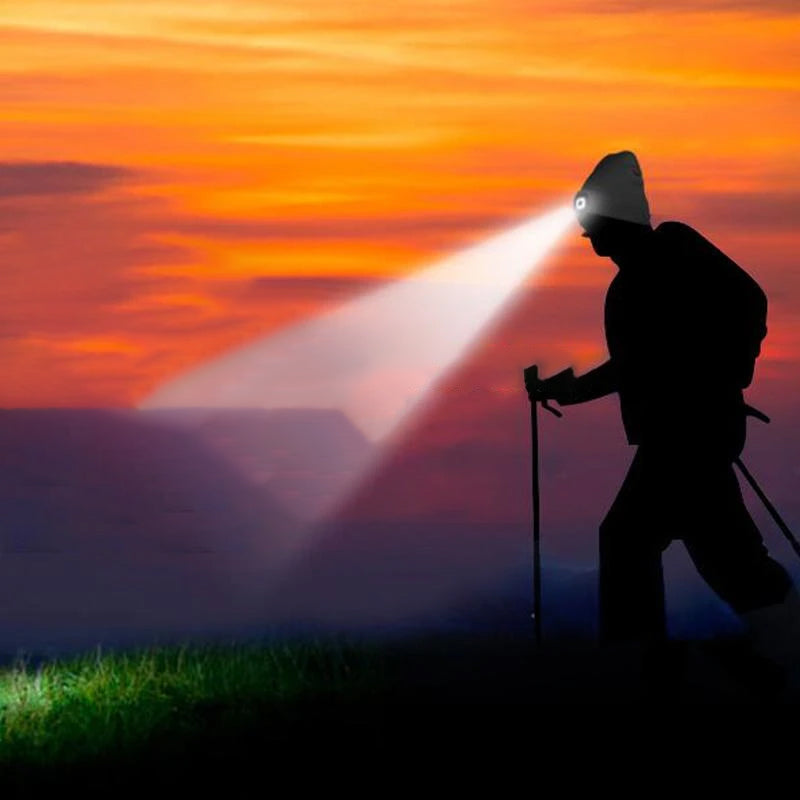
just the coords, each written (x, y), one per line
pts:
(585, 207)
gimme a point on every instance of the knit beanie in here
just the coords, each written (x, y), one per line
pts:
(614, 189)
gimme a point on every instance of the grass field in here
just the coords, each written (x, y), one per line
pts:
(195, 714)
(166, 706)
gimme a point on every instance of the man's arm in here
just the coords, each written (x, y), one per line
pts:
(596, 383)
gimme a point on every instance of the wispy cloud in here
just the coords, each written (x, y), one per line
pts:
(373, 228)
(23, 179)
(682, 6)
(771, 211)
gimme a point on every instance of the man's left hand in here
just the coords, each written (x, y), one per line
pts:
(559, 387)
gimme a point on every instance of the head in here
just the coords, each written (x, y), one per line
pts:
(612, 207)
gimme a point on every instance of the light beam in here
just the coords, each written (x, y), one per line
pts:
(378, 357)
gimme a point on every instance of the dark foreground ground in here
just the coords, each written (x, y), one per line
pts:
(430, 696)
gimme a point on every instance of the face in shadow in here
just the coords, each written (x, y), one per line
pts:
(612, 237)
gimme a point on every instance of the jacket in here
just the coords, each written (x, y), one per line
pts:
(683, 325)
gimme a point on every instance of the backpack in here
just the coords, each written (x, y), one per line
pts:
(733, 297)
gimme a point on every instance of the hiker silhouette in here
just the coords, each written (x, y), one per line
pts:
(683, 326)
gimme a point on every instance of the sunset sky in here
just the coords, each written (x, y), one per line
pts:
(178, 178)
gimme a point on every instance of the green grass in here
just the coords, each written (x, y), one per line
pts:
(195, 715)
(170, 700)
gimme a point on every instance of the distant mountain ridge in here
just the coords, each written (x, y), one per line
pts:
(125, 525)
(115, 520)
(306, 457)
(105, 479)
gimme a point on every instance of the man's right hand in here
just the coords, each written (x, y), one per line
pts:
(532, 383)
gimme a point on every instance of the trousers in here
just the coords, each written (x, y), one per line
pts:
(696, 498)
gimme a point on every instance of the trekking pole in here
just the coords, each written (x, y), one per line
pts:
(537, 567)
(750, 411)
(771, 508)
(532, 378)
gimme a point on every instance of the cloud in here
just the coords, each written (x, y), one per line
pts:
(668, 6)
(677, 6)
(769, 210)
(28, 178)
(311, 287)
(360, 227)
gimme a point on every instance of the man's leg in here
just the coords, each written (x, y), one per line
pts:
(631, 583)
(729, 553)
(726, 545)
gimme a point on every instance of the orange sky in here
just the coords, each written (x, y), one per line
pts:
(177, 178)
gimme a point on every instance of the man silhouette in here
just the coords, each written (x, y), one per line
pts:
(682, 345)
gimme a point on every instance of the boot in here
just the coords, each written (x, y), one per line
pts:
(774, 632)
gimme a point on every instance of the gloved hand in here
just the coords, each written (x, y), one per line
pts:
(559, 387)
